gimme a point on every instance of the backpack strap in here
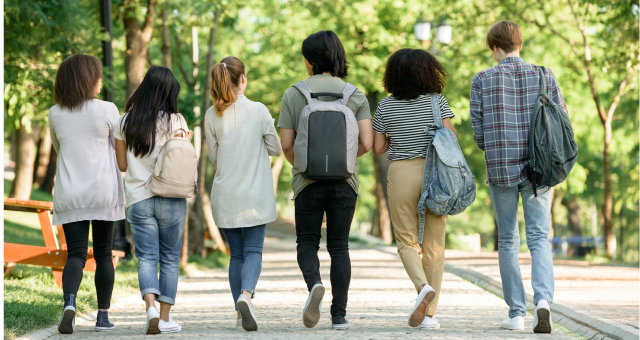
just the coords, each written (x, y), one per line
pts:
(305, 90)
(435, 108)
(543, 84)
(347, 91)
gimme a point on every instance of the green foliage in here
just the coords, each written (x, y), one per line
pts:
(267, 36)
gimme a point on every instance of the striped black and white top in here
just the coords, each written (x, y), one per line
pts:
(404, 121)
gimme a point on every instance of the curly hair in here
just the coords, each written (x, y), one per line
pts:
(411, 73)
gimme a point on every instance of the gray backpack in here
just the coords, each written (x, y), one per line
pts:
(552, 148)
(326, 144)
(448, 187)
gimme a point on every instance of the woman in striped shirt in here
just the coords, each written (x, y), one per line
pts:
(400, 121)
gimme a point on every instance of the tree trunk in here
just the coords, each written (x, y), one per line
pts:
(276, 168)
(608, 235)
(166, 46)
(621, 217)
(202, 211)
(553, 230)
(25, 153)
(50, 178)
(575, 216)
(138, 38)
(42, 158)
(382, 210)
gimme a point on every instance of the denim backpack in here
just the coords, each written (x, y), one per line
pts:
(448, 187)
(552, 148)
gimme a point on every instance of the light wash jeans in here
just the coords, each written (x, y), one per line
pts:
(246, 258)
(537, 217)
(157, 224)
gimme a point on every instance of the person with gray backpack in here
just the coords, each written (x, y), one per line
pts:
(520, 121)
(325, 124)
(414, 126)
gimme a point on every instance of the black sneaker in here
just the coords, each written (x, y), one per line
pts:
(102, 322)
(313, 307)
(339, 322)
(67, 323)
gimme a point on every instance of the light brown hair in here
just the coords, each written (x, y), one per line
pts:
(76, 80)
(225, 79)
(505, 35)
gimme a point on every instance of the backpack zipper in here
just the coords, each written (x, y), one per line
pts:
(158, 178)
(568, 160)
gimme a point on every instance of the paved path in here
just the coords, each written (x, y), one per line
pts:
(607, 293)
(378, 304)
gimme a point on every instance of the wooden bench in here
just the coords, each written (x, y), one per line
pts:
(54, 252)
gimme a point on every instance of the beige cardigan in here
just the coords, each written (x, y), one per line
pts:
(240, 143)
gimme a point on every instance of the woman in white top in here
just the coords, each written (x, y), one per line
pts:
(88, 183)
(157, 223)
(241, 136)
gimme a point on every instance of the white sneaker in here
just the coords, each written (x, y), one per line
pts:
(542, 322)
(430, 323)
(67, 323)
(153, 319)
(515, 323)
(311, 311)
(422, 302)
(169, 326)
(245, 307)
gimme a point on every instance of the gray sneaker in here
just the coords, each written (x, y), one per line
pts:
(311, 311)
(67, 323)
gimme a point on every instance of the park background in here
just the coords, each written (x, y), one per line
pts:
(591, 46)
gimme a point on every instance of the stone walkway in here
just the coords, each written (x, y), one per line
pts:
(607, 293)
(378, 304)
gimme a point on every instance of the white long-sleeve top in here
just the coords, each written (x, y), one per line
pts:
(88, 182)
(240, 143)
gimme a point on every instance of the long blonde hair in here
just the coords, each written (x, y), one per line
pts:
(225, 79)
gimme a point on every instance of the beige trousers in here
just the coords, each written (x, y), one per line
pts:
(423, 264)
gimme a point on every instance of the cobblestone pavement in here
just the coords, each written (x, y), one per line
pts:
(378, 304)
(607, 293)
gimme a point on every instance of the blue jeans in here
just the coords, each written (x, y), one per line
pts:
(246, 258)
(537, 217)
(157, 224)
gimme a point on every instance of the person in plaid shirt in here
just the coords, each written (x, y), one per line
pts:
(502, 102)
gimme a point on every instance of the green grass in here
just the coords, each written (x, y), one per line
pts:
(218, 259)
(32, 300)
(36, 194)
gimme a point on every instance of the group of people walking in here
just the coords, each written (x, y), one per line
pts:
(95, 144)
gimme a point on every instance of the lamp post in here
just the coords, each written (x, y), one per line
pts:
(422, 31)
(120, 240)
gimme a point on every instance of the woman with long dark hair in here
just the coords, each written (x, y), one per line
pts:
(157, 222)
(88, 183)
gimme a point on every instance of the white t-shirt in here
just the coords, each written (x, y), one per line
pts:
(140, 170)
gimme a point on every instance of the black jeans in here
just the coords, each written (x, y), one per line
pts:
(338, 200)
(77, 235)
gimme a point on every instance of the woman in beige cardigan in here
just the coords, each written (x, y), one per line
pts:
(241, 136)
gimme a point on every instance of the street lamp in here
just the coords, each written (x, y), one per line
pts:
(422, 30)
(444, 33)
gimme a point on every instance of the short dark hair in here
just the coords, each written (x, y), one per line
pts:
(411, 73)
(504, 34)
(325, 52)
(76, 80)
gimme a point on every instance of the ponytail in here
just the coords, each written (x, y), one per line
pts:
(225, 79)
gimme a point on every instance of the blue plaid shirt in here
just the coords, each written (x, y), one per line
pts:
(502, 101)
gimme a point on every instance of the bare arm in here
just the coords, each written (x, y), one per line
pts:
(447, 123)
(380, 144)
(365, 136)
(121, 155)
(287, 138)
